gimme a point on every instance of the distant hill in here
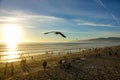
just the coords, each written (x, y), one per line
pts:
(109, 39)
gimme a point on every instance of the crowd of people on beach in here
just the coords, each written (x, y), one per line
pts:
(67, 64)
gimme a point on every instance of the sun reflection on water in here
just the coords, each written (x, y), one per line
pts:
(12, 54)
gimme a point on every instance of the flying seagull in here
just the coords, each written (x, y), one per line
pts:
(56, 32)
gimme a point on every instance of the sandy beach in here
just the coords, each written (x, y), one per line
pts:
(90, 64)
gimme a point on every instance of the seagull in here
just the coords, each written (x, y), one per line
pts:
(56, 32)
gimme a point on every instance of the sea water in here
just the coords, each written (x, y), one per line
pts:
(30, 49)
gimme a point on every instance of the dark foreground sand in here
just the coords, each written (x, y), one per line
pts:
(91, 64)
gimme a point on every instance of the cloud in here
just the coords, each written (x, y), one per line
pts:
(87, 23)
(21, 17)
(115, 18)
(94, 24)
(28, 20)
(99, 2)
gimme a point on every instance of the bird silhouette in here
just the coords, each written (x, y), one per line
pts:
(57, 33)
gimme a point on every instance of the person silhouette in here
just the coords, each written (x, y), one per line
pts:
(44, 64)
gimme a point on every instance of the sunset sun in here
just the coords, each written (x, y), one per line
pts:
(12, 35)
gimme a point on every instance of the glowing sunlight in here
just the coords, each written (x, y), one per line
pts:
(12, 36)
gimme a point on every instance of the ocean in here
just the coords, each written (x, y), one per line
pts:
(30, 49)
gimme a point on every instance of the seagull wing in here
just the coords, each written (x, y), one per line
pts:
(62, 35)
(56, 33)
(48, 32)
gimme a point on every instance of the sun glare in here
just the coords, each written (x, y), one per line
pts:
(12, 35)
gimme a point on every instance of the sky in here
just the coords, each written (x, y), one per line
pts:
(77, 19)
